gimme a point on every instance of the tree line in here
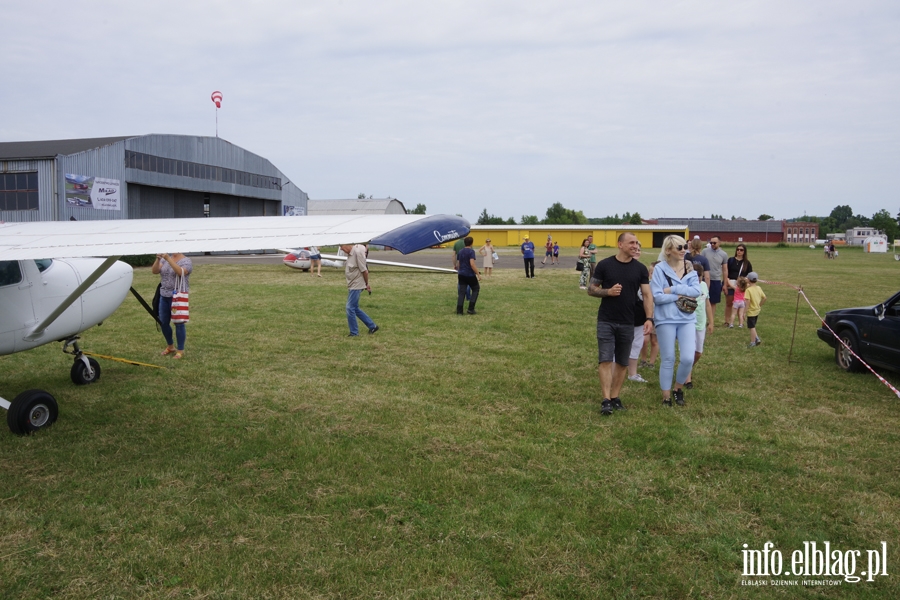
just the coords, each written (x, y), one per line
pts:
(842, 218)
(558, 214)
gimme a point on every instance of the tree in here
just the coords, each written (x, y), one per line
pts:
(530, 220)
(361, 196)
(841, 214)
(510, 221)
(715, 216)
(764, 217)
(486, 219)
(885, 222)
(418, 210)
(558, 214)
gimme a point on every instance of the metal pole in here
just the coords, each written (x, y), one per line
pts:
(794, 333)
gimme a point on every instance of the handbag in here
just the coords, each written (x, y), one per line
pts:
(180, 306)
(579, 266)
(685, 304)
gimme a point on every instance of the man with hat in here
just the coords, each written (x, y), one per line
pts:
(528, 253)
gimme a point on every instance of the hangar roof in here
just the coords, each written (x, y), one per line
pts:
(51, 148)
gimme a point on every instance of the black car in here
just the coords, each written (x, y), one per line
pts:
(873, 332)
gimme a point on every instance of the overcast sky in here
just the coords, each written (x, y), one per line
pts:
(670, 109)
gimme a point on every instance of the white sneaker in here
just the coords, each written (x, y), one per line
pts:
(637, 378)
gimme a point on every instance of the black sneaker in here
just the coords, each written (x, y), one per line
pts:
(667, 402)
(374, 329)
(689, 385)
(471, 311)
(606, 408)
(617, 404)
(679, 397)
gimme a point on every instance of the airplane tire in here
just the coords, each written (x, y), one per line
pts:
(79, 372)
(30, 411)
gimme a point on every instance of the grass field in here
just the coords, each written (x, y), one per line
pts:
(445, 456)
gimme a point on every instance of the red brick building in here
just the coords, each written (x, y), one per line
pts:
(739, 230)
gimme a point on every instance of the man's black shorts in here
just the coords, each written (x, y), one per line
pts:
(614, 342)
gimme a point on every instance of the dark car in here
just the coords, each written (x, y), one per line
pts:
(873, 332)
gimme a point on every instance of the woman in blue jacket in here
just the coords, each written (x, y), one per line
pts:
(674, 277)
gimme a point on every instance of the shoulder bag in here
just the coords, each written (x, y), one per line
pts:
(685, 304)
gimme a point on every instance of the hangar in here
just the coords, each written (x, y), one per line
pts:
(140, 177)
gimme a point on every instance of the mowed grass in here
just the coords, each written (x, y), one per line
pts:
(445, 456)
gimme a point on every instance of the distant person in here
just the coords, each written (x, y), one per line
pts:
(548, 251)
(468, 277)
(592, 249)
(357, 274)
(555, 253)
(616, 281)
(674, 277)
(755, 298)
(457, 248)
(831, 250)
(738, 266)
(487, 251)
(740, 305)
(704, 321)
(315, 261)
(718, 260)
(527, 249)
(174, 272)
(584, 256)
(640, 317)
(696, 255)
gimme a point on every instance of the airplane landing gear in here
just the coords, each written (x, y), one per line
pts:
(85, 370)
(30, 411)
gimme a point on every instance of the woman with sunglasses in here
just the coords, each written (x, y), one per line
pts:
(674, 277)
(738, 266)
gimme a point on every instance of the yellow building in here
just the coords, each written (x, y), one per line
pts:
(650, 236)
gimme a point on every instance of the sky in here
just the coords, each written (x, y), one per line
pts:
(666, 108)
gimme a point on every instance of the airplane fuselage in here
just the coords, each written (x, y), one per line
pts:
(30, 290)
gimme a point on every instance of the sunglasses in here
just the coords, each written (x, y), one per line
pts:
(680, 247)
(740, 250)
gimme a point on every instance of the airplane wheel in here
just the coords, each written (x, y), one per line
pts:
(30, 411)
(80, 374)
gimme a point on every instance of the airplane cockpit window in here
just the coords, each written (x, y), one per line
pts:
(43, 264)
(10, 274)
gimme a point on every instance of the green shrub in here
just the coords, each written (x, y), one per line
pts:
(139, 260)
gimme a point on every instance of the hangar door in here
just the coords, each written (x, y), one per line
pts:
(150, 202)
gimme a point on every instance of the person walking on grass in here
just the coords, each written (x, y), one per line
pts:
(555, 253)
(585, 257)
(616, 282)
(487, 251)
(718, 273)
(527, 249)
(174, 272)
(357, 274)
(548, 251)
(704, 321)
(755, 297)
(468, 278)
(640, 317)
(738, 266)
(592, 250)
(674, 277)
(315, 261)
(739, 306)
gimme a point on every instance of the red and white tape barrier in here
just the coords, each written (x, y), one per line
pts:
(840, 341)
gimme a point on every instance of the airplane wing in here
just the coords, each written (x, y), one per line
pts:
(74, 239)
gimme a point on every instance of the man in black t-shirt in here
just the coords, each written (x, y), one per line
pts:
(617, 280)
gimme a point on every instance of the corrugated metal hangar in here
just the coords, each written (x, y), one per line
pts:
(357, 206)
(147, 177)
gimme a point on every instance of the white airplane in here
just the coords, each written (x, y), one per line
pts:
(299, 259)
(44, 299)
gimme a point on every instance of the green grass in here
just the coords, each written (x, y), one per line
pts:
(445, 456)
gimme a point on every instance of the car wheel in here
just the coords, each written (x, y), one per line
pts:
(80, 375)
(31, 411)
(842, 356)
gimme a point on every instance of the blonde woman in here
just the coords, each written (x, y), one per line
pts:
(674, 277)
(487, 251)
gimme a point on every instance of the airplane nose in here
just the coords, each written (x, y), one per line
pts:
(290, 258)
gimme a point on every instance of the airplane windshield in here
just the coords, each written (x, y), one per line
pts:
(10, 273)
(43, 264)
